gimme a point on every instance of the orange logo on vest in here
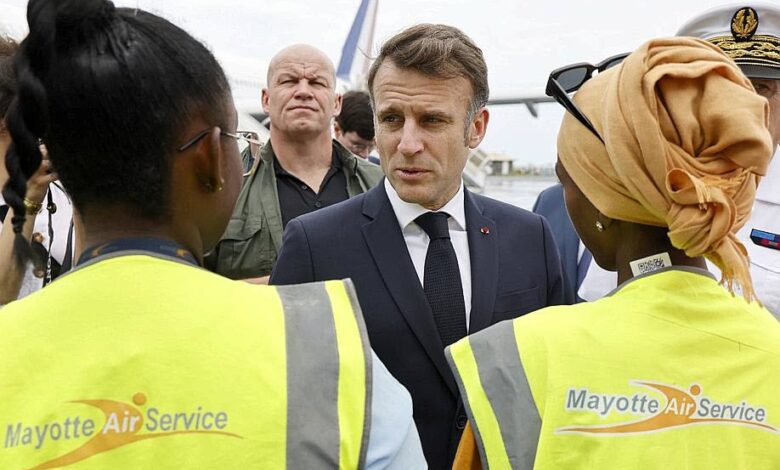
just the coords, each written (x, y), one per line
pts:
(682, 408)
(123, 425)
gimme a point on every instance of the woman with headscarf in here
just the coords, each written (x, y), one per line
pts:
(660, 157)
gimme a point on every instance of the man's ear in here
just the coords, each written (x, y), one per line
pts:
(478, 128)
(264, 100)
(336, 128)
(208, 161)
(337, 107)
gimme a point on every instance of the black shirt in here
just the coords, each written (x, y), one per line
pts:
(297, 198)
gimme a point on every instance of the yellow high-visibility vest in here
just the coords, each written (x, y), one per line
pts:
(136, 361)
(671, 371)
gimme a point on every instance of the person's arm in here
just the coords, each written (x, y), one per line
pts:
(393, 442)
(294, 264)
(557, 294)
(12, 274)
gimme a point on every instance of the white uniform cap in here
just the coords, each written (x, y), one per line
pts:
(749, 33)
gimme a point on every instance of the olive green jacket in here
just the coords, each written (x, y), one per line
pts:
(253, 237)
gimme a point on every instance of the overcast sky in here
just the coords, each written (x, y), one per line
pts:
(522, 41)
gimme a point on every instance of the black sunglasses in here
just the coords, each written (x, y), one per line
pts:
(570, 78)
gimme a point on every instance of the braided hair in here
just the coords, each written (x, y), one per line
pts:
(108, 90)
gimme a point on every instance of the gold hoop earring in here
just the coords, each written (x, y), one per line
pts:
(599, 226)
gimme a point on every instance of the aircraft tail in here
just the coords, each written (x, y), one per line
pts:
(356, 52)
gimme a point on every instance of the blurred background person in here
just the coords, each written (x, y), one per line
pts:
(48, 222)
(659, 158)
(749, 33)
(354, 126)
(138, 343)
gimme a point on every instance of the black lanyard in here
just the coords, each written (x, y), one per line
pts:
(159, 246)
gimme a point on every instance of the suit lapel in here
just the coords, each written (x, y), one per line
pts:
(388, 248)
(483, 249)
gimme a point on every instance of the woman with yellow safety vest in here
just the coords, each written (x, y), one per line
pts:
(139, 358)
(659, 155)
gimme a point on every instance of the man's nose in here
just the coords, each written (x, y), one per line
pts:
(411, 141)
(303, 90)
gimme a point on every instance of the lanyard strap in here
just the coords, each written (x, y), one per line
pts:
(51, 208)
(159, 246)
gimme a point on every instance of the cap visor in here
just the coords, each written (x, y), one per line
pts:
(760, 71)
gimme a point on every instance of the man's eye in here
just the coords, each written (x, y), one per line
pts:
(763, 89)
(390, 118)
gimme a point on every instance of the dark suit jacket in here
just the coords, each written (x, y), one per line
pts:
(551, 205)
(514, 270)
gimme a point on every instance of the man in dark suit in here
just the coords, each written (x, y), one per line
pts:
(575, 258)
(430, 260)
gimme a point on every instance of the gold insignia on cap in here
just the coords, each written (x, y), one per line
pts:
(744, 24)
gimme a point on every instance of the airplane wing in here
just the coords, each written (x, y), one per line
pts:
(530, 101)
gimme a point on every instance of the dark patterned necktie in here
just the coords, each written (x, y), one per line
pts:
(442, 284)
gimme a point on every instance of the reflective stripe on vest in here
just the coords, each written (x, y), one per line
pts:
(506, 426)
(670, 371)
(160, 364)
(343, 395)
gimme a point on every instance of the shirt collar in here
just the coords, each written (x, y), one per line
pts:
(406, 212)
(335, 164)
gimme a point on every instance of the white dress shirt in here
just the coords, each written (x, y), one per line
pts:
(765, 262)
(417, 240)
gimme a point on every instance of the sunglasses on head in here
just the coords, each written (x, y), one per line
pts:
(570, 78)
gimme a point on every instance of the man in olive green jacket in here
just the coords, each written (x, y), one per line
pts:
(300, 169)
(254, 234)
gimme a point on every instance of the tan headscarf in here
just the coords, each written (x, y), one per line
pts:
(685, 142)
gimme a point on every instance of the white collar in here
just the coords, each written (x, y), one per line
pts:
(406, 212)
